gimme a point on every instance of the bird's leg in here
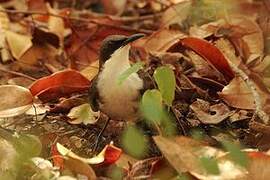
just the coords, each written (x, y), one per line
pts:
(100, 134)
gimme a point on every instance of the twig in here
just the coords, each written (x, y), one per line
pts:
(257, 98)
(94, 21)
(17, 74)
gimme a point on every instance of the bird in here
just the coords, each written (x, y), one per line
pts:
(118, 101)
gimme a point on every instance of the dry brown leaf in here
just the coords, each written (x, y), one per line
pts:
(15, 100)
(114, 7)
(4, 25)
(176, 14)
(181, 156)
(79, 167)
(91, 71)
(210, 114)
(56, 25)
(237, 94)
(203, 68)
(160, 40)
(184, 153)
(18, 43)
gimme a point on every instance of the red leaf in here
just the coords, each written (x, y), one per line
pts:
(59, 84)
(210, 53)
(112, 154)
(57, 157)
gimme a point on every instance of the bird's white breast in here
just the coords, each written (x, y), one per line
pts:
(119, 101)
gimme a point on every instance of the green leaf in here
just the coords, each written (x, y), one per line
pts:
(210, 165)
(236, 154)
(133, 69)
(165, 79)
(151, 106)
(27, 146)
(83, 114)
(134, 142)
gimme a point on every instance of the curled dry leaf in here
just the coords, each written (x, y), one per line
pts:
(91, 71)
(205, 69)
(78, 167)
(56, 25)
(18, 43)
(176, 14)
(37, 109)
(210, 53)
(83, 114)
(210, 114)
(160, 40)
(184, 153)
(114, 7)
(4, 25)
(109, 155)
(259, 167)
(252, 42)
(59, 84)
(243, 31)
(15, 100)
(237, 94)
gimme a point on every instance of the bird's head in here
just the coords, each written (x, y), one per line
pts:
(111, 43)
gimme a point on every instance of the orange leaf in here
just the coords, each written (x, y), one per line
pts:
(59, 84)
(56, 157)
(112, 154)
(210, 53)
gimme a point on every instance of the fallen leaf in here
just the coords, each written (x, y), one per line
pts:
(59, 84)
(37, 109)
(35, 55)
(160, 40)
(237, 94)
(210, 53)
(18, 43)
(78, 167)
(145, 167)
(114, 7)
(57, 159)
(205, 69)
(109, 155)
(176, 14)
(56, 25)
(4, 26)
(248, 30)
(210, 114)
(15, 100)
(40, 37)
(184, 153)
(259, 165)
(91, 71)
(83, 114)
(37, 5)
(65, 105)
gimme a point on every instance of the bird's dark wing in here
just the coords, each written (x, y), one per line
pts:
(93, 95)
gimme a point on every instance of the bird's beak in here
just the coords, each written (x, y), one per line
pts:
(133, 38)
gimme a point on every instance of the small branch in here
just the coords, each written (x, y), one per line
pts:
(94, 21)
(257, 98)
(17, 74)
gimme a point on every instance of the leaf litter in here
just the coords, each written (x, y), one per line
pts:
(205, 69)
